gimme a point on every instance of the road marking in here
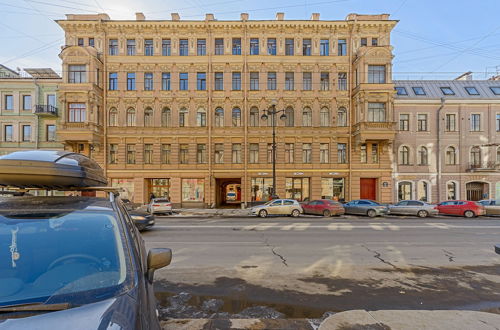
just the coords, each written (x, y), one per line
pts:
(382, 225)
(296, 226)
(332, 226)
(261, 226)
(340, 226)
(439, 225)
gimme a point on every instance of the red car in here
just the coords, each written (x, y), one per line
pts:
(467, 209)
(324, 207)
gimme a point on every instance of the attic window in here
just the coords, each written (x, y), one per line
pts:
(447, 91)
(472, 90)
(401, 91)
(495, 90)
(418, 90)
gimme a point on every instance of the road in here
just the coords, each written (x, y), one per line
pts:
(309, 265)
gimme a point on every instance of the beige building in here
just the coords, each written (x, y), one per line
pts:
(174, 107)
(448, 140)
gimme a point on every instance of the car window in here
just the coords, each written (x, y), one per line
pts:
(364, 203)
(161, 200)
(415, 203)
(288, 202)
(459, 203)
(276, 203)
(402, 203)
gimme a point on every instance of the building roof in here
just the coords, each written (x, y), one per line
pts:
(433, 89)
(7, 72)
(46, 73)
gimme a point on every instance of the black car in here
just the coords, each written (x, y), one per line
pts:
(142, 219)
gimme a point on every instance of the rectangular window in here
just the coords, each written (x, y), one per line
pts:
(306, 153)
(376, 74)
(271, 46)
(50, 133)
(26, 133)
(51, 100)
(236, 46)
(374, 41)
(183, 154)
(77, 74)
(80, 42)
(219, 153)
(8, 133)
(148, 154)
(113, 46)
(166, 150)
(495, 90)
(332, 188)
(131, 81)
(148, 81)
(165, 81)
(113, 81)
(183, 47)
(342, 47)
(306, 47)
(471, 90)
(201, 153)
(166, 47)
(91, 42)
(254, 46)
(421, 122)
(498, 122)
(113, 154)
(26, 102)
(342, 84)
(364, 42)
(148, 47)
(9, 102)
(342, 153)
(261, 189)
(130, 153)
(219, 81)
(236, 81)
(193, 190)
(201, 81)
(324, 153)
(475, 122)
(236, 153)
(447, 91)
(404, 122)
(324, 47)
(219, 46)
(325, 81)
(289, 81)
(289, 46)
(270, 153)
(183, 81)
(254, 81)
(130, 47)
(253, 153)
(376, 112)
(289, 153)
(451, 122)
(201, 47)
(307, 81)
(401, 91)
(297, 188)
(271, 80)
(418, 90)
(76, 112)
(374, 153)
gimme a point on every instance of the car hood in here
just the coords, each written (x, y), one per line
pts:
(112, 313)
(140, 213)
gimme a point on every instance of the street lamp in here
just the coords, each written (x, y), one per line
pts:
(272, 112)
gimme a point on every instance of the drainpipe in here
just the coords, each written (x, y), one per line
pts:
(439, 148)
(37, 119)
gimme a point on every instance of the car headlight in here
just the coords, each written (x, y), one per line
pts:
(138, 217)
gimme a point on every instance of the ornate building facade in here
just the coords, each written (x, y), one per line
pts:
(174, 107)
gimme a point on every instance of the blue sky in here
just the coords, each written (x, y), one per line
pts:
(437, 39)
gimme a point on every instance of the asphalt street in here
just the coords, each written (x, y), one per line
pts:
(308, 265)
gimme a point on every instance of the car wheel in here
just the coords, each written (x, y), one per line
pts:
(262, 213)
(371, 213)
(295, 213)
(469, 214)
(422, 214)
(326, 213)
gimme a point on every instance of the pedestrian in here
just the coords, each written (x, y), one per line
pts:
(152, 196)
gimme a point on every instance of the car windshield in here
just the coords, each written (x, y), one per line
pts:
(60, 256)
(160, 200)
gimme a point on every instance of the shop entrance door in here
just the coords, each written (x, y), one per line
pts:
(368, 188)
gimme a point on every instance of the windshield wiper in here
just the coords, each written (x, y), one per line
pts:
(34, 307)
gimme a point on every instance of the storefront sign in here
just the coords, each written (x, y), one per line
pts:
(333, 173)
(298, 173)
(262, 173)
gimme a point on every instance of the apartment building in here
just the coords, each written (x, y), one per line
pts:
(28, 109)
(174, 107)
(448, 140)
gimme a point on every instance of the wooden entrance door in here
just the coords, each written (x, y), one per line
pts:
(368, 188)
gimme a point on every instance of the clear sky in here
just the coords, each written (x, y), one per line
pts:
(435, 39)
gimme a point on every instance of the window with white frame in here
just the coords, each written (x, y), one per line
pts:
(376, 112)
(404, 155)
(475, 122)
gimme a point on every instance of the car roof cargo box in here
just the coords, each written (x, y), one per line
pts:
(50, 169)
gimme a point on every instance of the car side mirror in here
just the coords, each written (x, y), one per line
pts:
(158, 258)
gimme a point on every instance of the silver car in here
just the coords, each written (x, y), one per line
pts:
(278, 207)
(160, 205)
(365, 207)
(491, 206)
(418, 208)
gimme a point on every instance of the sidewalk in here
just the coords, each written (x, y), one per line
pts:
(211, 213)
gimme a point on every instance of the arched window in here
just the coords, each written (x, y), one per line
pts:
(404, 155)
(219, 117)
(201, 118)
(404, 190)
(307, 117)
(113, 117)
(290, 118)
(342, 117)
(324, 117)
(183, 117)
(451, 190)
(166, 117)
(475, 157)
(423, 191)
(423, 156)
(131, 117)
(148, 117)
(236, 117)
(254, 117)
(451, 156)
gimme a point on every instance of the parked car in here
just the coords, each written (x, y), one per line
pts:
(143, 220)
(365, 207)
(288, 207)
(160, 205)
(324, 207)
(491, 206)
(418, 208)
(467, 209)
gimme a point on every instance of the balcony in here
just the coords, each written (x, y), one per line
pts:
(45, 110)
(374, 131)
(490, 166)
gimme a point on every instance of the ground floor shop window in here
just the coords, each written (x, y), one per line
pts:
(127, 185)
(404, 191)
(332, 188)
(159, 188)
(297, 188)
(451, 191)
(423, 191)
(193, 190)
(261, 189)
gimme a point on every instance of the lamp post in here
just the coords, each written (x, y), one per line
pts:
(272, 112)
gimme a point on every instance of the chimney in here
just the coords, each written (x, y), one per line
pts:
(244, 16)
(175, 17)
(209, 17)
(315, 17)
(280, 16)
(140, 17)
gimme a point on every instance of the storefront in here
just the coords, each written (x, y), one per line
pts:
(333, 188)
(261, 189)
(127, 185)
(159, 188)
(298, 188)
(193, 192)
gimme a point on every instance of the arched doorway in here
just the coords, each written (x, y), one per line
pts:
(228, 192)
(477, 190)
